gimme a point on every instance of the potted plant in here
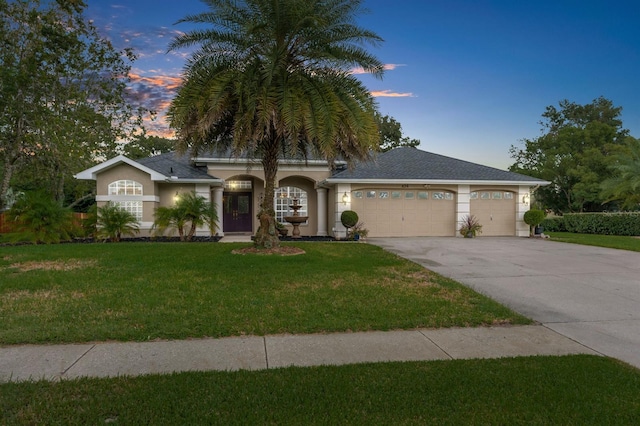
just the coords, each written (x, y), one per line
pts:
(358, 231)
(533, 218)
(470, 226)
(349, 219)
(282, 229)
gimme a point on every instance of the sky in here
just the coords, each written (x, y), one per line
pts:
(468, 78)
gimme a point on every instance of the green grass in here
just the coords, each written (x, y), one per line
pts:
(579, 389)
(146, 291)
(609, 241)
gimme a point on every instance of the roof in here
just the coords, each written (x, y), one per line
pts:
(407, 164)
(177, 166)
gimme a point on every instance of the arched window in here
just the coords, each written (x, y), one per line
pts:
(125, 187)
(132, 192)
(285, 197)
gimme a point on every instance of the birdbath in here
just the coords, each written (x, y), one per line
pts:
(296, 219)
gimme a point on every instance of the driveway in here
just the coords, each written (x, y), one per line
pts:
(589, 294)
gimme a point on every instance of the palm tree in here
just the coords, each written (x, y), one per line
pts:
(114, 222)
(191, 209)
(625, 185)
(272, 78)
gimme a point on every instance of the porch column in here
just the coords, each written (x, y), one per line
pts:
(522, 206)
(339, 231)
(217, 201)
(204, 191)
(321, 195)
(463, 206)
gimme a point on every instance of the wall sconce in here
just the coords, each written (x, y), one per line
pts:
(176, 197)
(525, 199)
(345, 198)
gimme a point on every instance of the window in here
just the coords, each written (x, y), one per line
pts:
(371, 194)
(474, 195)
(438, 196)
(133, 207)
(485, 196)
(285, 197)
(423, 195)
(409, 195)
(448, 195)
(357, 194)
(384, 194)
(235, 185)
(497, 195)
(125, 187)
(508, 195)
(396, 194)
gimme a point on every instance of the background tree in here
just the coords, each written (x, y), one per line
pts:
(391, 134)
(63, 103)
(143, 146)
(624, 186)
(572, 154)
(272, 78)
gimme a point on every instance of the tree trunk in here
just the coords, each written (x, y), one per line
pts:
(7, 172)
(267, 234)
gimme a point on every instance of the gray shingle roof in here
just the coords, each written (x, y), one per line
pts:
(171, 164)
(413, 164)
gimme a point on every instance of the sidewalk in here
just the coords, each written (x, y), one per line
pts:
(56, 362)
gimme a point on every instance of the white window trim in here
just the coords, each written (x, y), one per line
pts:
(153, 198)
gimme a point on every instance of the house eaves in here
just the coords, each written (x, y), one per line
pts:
(332, 181)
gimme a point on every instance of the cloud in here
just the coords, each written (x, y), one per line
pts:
(390, 94)
(387, 67)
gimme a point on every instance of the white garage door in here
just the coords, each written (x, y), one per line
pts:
(496, 211)
(405, 212)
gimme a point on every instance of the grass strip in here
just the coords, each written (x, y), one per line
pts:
(147, 291)
(608, 241)
(579, 389)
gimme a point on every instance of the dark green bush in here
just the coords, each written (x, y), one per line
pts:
(534, 217)
(553, 224)
(349, 218)
(627, 224)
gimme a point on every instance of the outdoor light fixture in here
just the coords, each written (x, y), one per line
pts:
(176, 197)
(345, 198)
(525, 199)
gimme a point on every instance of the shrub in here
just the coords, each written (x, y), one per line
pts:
(533, 218)
(625, 224)
(38, 218)
(553, 224)
(114, 222)
(349, 218)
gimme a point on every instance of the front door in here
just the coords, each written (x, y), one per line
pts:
(237, 212)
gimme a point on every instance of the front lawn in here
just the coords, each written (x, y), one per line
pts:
(609, 241)
(570, 390)
(146, 291)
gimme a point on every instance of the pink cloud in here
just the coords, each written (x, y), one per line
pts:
(390, 94)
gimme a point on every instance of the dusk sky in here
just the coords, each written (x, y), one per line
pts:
(467, 78)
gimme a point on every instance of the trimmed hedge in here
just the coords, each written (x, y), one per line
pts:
(626, 224)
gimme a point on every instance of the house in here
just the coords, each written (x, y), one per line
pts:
(403, 192)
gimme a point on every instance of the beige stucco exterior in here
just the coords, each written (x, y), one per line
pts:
(386, 209)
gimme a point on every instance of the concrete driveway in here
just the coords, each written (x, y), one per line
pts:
(589, 294)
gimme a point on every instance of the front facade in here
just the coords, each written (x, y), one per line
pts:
(403, 192)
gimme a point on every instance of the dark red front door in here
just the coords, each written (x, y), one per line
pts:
(237, 212)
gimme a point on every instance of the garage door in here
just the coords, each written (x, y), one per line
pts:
(404, 212)
(496, 211)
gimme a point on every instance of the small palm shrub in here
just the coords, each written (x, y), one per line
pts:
(113, 222)
(38, 218)
(190, 210)
(470, 226)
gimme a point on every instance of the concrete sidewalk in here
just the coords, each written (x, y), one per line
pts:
(56, 362)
